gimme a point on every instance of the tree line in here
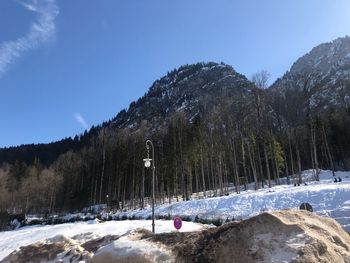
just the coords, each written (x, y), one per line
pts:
(252, 138)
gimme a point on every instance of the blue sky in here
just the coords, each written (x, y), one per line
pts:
(68, 64)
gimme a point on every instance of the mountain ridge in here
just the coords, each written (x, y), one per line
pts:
(184, 90)
(323, 75)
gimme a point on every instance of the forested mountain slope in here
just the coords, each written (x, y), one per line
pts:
(210, 125)
(316, 92)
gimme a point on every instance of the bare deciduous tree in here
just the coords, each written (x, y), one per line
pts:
(261, 79)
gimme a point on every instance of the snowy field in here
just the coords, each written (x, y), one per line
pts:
(326, 197)
(82, 231)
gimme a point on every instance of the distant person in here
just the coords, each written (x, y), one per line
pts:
(335, 180)
(306, 206)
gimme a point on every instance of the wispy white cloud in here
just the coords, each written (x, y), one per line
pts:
(41, 30)
(81, 120)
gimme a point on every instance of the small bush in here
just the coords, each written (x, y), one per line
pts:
(49, 221)
(167, 217)
(19, 217)
(216, 222)
(204, 221)
(57, 221)
(7, 221)
(34, 222)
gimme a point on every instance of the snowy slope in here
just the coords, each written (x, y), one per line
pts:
(326, 197)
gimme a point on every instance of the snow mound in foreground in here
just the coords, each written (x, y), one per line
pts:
(81, 232)
(133, 248)
(280, 236)
(284, 236)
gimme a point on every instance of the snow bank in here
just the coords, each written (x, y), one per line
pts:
(81, 232)
(131, 249)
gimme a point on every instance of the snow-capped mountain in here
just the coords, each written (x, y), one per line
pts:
(188, 89)
(326, 58)
(322, 76)
(319, 80)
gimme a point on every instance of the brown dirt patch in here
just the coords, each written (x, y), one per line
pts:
(289, 236)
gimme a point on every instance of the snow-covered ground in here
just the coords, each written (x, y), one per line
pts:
(326, 197)
(84, 231)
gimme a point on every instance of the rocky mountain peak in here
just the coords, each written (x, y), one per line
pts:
(182, 90)
(324, 57)
(322, 77)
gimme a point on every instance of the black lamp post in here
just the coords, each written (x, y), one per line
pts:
(147, 165)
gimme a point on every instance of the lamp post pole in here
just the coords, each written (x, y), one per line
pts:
(147, 165)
